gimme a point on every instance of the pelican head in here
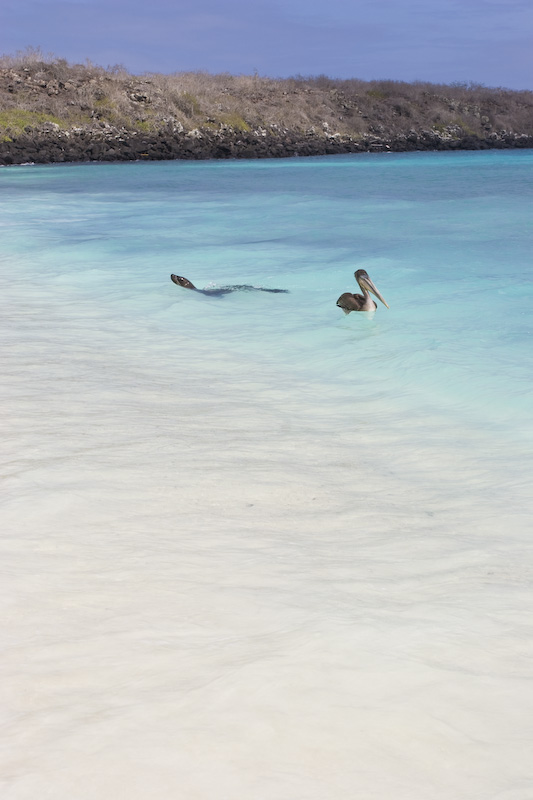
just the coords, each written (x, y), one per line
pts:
(366, 285)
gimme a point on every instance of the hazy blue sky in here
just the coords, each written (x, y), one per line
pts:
(485, 41)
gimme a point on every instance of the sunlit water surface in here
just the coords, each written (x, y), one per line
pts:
(254, 548)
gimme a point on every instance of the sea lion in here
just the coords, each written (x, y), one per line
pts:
(218, 291)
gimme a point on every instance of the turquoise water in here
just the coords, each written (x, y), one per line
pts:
(446, 237)
(254, 547)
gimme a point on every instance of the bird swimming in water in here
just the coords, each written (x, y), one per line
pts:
(360, 302)
(218, 291)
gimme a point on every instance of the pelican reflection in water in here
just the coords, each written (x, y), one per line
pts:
(360, 302)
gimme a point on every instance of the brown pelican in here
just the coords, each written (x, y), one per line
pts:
(360, 302)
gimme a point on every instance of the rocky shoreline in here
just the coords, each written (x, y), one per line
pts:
(55, 112)
(102, 142)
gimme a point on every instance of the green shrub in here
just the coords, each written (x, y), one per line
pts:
(188, 104)
(15, 120)
(466, 128)
(233, 120)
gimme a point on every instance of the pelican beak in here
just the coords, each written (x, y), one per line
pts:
(364, 279)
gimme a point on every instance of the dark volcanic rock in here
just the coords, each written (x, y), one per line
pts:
(49, 144)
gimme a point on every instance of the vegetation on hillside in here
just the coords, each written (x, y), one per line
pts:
(35, 90)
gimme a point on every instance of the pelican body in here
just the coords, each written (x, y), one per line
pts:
(360, 302)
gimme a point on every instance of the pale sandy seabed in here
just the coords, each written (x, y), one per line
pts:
(251, 592)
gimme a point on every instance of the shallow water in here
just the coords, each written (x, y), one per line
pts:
(254, 547)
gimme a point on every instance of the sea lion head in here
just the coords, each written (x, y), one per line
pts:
(179, 281)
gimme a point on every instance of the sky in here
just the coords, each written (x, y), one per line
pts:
(489, 42)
